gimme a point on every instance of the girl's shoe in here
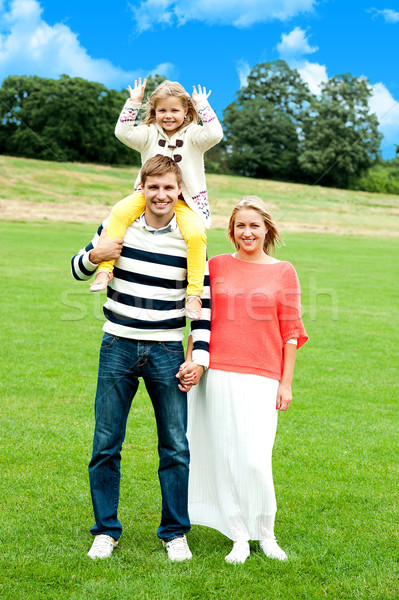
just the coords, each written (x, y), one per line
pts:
(193, 307)
(101, 281)
(239, 554)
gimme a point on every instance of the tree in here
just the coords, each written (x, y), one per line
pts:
(340, 135)
(263, 125)
(68, 119)
(153, 81)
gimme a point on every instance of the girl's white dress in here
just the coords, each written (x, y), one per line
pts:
(231, 430)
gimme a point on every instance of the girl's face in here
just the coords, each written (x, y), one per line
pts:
(169, 114)
(249, 230)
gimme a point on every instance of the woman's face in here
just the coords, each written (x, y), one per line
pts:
(249, 230)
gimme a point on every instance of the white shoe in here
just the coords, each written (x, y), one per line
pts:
(272, 549)
(102, 546)
(193, 308)
(101, 281)
(239, 554)
(178, 549)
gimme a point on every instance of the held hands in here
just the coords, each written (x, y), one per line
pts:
(106, 249)
(137, 93)
(201, 95)
(284, 396)
(189, 374)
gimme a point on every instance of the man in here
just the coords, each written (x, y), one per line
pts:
(143, 338)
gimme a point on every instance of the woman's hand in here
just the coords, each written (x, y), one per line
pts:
(201, 95)
(137, 93)
(284, 396)
(189, 374)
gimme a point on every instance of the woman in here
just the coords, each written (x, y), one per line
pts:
(256, 329)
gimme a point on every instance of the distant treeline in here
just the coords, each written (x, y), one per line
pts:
(275, 128)
(382, 177)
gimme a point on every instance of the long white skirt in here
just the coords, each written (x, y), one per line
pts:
(231, 430)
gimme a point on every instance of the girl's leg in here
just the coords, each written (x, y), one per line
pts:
(193, 230)
(122, 215)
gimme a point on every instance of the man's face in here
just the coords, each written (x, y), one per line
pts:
(161, 193)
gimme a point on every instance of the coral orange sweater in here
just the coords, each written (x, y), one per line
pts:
(255, 311)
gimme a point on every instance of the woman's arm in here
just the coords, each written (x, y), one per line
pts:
(189, 351)
(284, 393)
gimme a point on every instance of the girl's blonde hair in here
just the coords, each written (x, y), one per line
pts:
(272, 238)
(165, 89)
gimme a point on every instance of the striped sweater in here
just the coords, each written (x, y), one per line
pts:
(146, 298)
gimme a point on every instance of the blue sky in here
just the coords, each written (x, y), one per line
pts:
(212, 42)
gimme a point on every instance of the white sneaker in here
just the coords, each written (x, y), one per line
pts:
(178, 549)
(101, 281)
(239, 554)
(272, 549)
(102, 546)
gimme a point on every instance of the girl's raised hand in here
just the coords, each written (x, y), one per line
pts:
(201, 95)
(137, 93)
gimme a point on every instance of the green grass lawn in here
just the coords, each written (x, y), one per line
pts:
(335, 458)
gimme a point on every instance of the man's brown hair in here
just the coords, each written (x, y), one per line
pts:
(159, 165)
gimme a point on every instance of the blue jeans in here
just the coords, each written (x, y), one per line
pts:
(122, 362)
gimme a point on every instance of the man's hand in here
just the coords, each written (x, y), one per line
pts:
(137, 93)
(189, 374)
(106, 249)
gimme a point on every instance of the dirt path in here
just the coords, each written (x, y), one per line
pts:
(23, 210)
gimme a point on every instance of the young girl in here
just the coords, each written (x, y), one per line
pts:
(170, 128)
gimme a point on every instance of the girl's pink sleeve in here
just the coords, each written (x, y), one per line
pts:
(211, 132)
(127, 129)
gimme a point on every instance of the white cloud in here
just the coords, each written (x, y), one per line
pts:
(30, 46)
(166, 69)
(389, 15)
(313, 74)
(292, 48)
(294, 44)
(151, 13)
(243, 70)
(384, 105)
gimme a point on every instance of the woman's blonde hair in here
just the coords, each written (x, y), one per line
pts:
(165, 89)
(272, 238)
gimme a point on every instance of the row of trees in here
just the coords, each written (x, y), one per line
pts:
(66, 119)
(276, 128)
